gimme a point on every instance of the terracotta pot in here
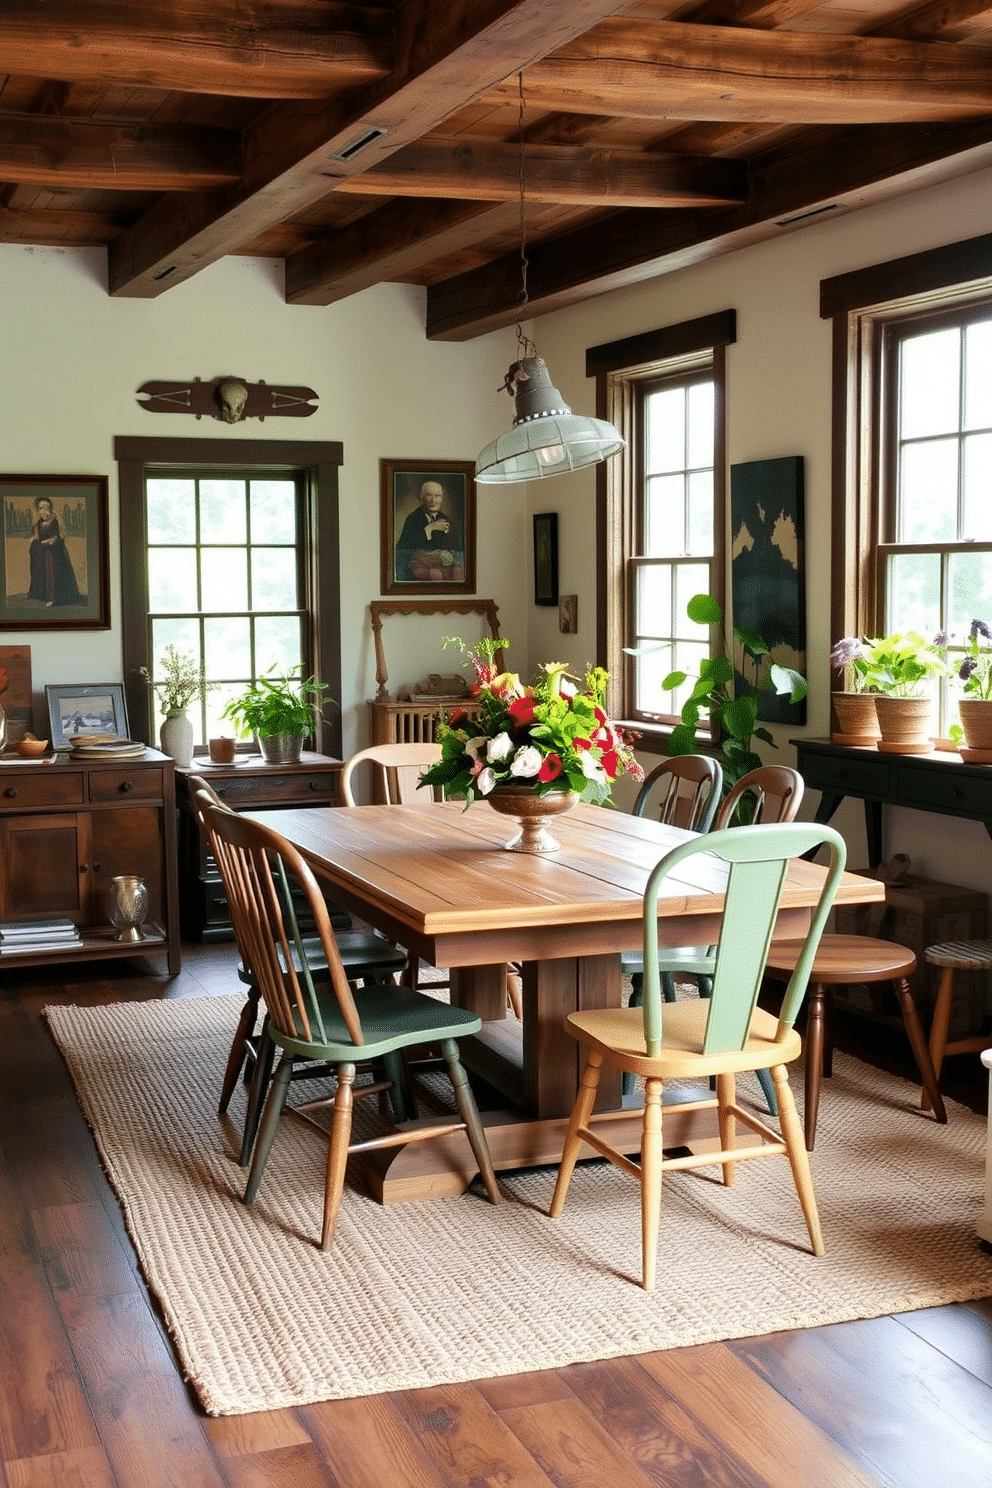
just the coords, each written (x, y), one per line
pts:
(857, 721)
(530, 810)
(905, 724)
(976, 720)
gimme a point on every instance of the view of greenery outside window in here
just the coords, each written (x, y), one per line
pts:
(224, 555)
(674, 553)
(935, 552)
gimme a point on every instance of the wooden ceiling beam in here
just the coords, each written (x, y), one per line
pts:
(445, 57)
(240, 48)
(43, 150)
(55, 228)
(850, 167)
(481, 170)
(669, 70)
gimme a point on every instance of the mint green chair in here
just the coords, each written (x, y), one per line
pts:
(314, 1014)
(717, 1037)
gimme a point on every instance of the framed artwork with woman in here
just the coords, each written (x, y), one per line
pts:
(53, 558)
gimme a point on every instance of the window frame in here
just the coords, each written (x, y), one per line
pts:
(623, 370)
(316, 464)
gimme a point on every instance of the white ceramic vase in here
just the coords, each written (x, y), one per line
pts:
(176, 735)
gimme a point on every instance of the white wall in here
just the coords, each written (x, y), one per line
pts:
(778, 403)
(73, 358)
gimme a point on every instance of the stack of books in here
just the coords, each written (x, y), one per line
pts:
(20, 937)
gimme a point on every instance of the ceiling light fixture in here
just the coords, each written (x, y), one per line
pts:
(547, 438)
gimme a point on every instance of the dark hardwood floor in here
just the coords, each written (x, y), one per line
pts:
(90, 1395)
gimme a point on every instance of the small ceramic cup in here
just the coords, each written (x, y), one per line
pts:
(222, 751)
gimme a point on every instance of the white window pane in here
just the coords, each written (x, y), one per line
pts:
(914, 593)
(649, 697)
(223, 515)
(928, 492)
(171, 508)
(700, 425)
(970, 592)
(978, 376)
(184, 634)
(273, 579)
(217, 700)
(227, 646)
(688, 658)
(690, 579)
(977, 456)
(278, 643)
(700, 521)
(224, 579)
(664, 525)
(171, 579)
(273, 511)
(929, 384)
(653, 605)
(664, 442)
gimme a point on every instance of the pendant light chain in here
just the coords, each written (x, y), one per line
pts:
(525, 344)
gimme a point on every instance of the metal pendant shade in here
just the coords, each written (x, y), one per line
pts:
(547, 438)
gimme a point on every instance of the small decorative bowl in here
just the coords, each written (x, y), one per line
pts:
(31, 748)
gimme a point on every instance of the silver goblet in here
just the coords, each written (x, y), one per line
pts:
(127, 906)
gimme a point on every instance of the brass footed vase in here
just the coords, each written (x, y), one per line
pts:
(531, 811)
(127, 906)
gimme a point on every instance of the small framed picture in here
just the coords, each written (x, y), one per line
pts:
(427, 527)
(85, 708)
(546, 558)
(53, 558)
(568, 614)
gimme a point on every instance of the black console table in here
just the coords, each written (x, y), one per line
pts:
(940, 782)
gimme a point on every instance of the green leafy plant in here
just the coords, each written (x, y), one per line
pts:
(899, 665)
(728, 700)
(279, 704)
(178, 680)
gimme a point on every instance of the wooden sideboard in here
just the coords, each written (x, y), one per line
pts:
(940, 782)
(67, 827)
(247, 785)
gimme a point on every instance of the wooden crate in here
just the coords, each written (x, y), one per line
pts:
(921, 912)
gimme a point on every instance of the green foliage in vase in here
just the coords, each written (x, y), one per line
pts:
(286, 704)
(177, 681)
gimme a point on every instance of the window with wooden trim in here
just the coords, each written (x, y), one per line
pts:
(664, 509)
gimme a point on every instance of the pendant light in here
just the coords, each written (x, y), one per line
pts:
(547, 438)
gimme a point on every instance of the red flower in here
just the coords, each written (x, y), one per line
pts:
(457, 717)
(551, 767)
(523, 711)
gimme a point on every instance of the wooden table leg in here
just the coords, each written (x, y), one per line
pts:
(814, 1062)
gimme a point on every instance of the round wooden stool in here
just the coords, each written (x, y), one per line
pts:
(952, 956)
(842, 961)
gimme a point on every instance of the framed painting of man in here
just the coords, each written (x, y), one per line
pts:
(53, 557)
(427, 527)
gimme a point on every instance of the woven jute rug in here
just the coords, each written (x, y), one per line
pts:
(454, 1289)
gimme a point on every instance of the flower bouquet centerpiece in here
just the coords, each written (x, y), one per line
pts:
(531, 750)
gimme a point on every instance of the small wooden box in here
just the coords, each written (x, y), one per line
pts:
(921, 912)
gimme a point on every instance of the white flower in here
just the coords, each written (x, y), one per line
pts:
(476, 747)
(592, 767)
(484, 782)
(500, 748)
(526, 762)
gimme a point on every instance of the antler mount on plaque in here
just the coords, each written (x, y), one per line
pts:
(230, 399)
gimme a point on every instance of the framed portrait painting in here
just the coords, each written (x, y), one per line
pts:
(427, 526)
(53, 558)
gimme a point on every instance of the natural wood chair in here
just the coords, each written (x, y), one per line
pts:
(683, 791)
(365, 956)
(717, 1036)
(314, 1014)
(843, 961)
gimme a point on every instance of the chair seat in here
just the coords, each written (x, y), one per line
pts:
(963, 955)
(392, 1018)
(619, 1034)
(844, 959)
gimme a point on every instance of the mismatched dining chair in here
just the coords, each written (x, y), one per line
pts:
(718, 1036)
(314, 1014)
(365, 956)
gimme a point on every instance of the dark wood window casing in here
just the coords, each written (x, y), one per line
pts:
(317, 463)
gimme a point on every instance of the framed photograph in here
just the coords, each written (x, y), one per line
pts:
(53, 559)
(546, 558)
(85, 708)
(427, 526)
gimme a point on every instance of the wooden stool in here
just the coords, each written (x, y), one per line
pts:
(952, 956)
(842, 961)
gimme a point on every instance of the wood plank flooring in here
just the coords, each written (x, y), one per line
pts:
(90, 1396)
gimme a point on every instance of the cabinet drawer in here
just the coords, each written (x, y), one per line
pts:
(944, 790)
(126, 785)
(42, 788)
(863, 775)
(271, 790)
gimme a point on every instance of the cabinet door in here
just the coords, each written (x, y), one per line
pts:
(128, 840)
(44, 866)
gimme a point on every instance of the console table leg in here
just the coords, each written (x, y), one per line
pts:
(873, 831)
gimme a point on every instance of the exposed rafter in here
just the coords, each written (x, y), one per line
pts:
(116, 157)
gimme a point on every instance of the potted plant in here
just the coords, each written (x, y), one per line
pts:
(178, 680)
(857, 721)
(281, 711)
(975, 703)
(729, 700)
(900, 669)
